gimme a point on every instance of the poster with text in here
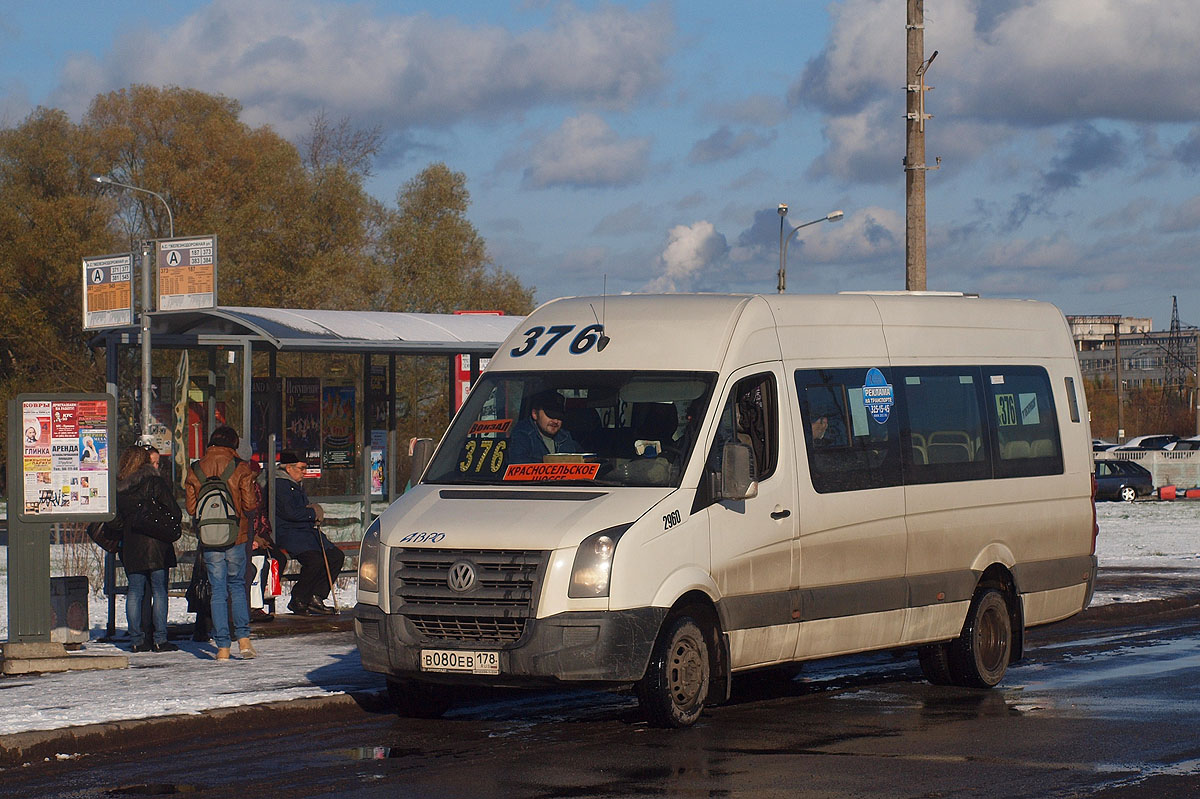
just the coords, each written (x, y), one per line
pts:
(337, 419)
(65, 457)
(302, 420)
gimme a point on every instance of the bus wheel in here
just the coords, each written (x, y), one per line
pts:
(935, 663)
(418, 700)
(979, 657)
(673, 691)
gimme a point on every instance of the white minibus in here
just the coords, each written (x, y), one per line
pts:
(663, 491)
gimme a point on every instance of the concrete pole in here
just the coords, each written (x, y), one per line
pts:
(914, 158)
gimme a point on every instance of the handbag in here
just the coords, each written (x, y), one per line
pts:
(106, 534)
(199, 590)
(272, 588)
(151, 519)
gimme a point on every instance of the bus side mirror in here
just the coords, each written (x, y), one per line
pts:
(739, 477)
(421, 454)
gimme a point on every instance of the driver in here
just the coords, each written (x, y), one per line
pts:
(542, 433)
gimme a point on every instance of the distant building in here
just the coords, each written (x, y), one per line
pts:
(1148, 358)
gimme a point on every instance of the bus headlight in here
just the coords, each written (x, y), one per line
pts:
(593, 563)
(368, 559)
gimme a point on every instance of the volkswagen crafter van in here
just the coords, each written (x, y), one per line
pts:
(745, 482)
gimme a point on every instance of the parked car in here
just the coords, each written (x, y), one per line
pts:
(1156, 441)
(1100, 445)
(1122, 480)
(1184, 444)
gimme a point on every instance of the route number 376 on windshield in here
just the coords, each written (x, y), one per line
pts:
(583, 341)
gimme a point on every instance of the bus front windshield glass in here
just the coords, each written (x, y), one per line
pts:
(574, 428)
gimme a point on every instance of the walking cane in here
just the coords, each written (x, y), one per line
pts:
(328, 573)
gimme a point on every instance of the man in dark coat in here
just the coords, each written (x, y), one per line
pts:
(296, 531)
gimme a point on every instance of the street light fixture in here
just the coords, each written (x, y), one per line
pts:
(146, 256)
(832, 216)
(107, 181)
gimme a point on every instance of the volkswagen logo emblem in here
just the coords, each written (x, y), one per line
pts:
(461, 577)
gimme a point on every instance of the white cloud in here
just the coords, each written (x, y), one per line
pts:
(690, 251)
(1004, 65)
(866, 234)
(1051, 252)
(285, 59)
(586, 152)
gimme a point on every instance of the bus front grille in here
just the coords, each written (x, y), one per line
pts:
(466, 595)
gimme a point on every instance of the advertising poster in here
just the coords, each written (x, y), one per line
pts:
(302, 420)
(379, 397)
(337, 419)
(378, 461)
(65, 457)
(262, 394)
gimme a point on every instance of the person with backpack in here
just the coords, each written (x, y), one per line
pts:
(220, 500)
(296, 531)
(149, 517)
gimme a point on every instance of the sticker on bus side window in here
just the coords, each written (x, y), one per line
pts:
(551, 471)
(489, 426)
(1006, 410)
(878, 396)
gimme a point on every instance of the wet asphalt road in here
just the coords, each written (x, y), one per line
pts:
(1102, 706)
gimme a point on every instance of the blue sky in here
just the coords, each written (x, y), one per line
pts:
(647, 144)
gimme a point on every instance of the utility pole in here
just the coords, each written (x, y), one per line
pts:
(914, 158)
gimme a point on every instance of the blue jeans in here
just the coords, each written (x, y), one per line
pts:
(227, 574)
(158, 604)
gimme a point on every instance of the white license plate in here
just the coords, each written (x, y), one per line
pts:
(459, 660)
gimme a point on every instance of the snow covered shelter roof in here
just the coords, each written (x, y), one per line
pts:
(344, 331)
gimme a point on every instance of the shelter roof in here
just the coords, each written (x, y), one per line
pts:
(343, 331)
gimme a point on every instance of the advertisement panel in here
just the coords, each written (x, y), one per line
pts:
(68, 468)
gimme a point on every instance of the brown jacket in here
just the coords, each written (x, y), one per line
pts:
(241, 486)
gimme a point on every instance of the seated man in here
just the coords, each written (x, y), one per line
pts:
(542, 433)
(296, 531)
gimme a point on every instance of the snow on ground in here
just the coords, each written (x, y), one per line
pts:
(1151, 535)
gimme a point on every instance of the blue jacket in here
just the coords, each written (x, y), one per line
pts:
(525, 443)
(295, 522)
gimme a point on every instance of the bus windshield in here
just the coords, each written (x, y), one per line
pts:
(592, 428)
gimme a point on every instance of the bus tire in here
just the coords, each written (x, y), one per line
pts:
(935, 663)
(675, 687)
(418, 700)
(979, 657)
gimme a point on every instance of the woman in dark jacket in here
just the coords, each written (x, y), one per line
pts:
(146, 557)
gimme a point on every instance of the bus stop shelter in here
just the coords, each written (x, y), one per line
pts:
(325, 383)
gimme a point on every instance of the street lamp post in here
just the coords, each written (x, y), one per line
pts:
(147, 255)
(832, 216)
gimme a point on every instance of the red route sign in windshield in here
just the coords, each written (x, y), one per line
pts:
(551, 471)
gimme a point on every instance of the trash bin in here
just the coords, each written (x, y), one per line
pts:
(69, 621)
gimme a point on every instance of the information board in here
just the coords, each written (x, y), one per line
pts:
(187, 273)
(67, 457)
(107, 291)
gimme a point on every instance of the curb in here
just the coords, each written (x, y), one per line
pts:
(25, 747)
